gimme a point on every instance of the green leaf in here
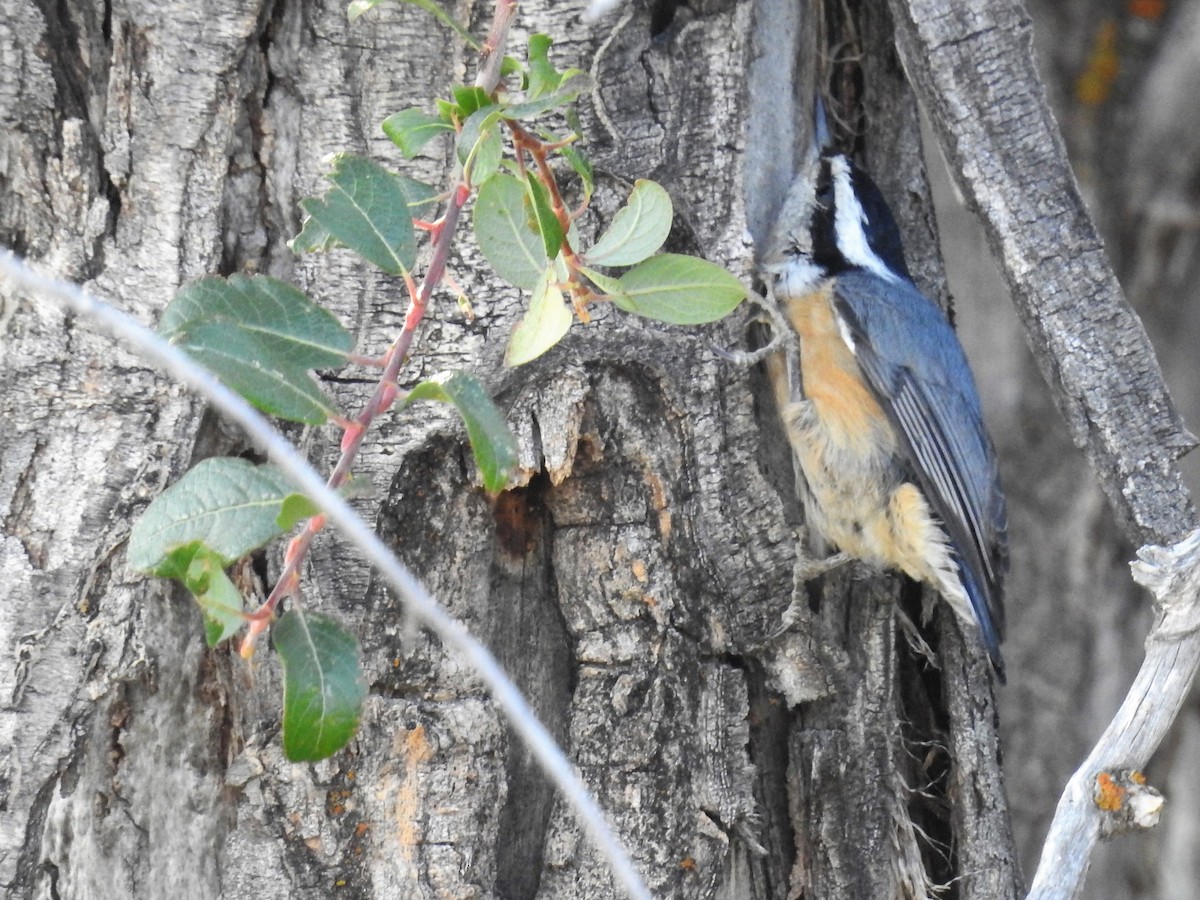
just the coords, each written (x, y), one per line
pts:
(297, 508)
(567, 91)
(682, 290)
(294, 510)
(480, 146)
(543, 212)
(583, 168)
(421, 196)
(313, 238)
(492, 442)
(323, 684)
(506, 232)
(358, 7)
(470, 98)
(411, 129)
(576, 157)
(176, 563)
(543, 77)
(547, 320)
(609, 285)
(510, 65)
(217, 596)
(261, 337)
(271, 312)
(366, 209)
(229, 505)
(638, 229)
(259, 372)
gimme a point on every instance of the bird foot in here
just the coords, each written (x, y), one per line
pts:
(782, 334)
(806, 569)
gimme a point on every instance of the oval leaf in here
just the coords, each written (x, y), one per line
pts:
(479, 145)
(313, 238)
(506, 237)
(323, 684)
(543, 76)
(609, 285)
(260, 336)
(411, 129)
(583, 168)
(568, 90)
(365, 209)
(682, 290)
(295, 509)
(547, 320)
(259, 373)
(492, 441)
(470, 98)
(266, 309)
(638, 229)
(228, 505)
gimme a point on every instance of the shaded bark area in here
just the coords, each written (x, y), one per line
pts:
(632, 583)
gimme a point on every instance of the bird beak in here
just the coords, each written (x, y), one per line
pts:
(822, 138)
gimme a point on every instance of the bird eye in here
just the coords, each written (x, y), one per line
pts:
(824, 192)
(825, 197)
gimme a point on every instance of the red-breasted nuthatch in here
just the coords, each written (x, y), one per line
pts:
(878, 400)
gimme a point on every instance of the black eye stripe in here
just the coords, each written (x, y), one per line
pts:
(822, 228)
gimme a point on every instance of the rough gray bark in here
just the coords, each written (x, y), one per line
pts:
(633, 583)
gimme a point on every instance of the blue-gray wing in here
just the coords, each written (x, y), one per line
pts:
(915, 366)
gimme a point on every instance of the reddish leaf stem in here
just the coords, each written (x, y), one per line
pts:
(540, 151)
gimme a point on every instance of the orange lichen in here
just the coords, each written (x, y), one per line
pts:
(1110, 796)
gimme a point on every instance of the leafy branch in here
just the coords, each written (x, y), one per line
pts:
(263, 338)
(302, 477)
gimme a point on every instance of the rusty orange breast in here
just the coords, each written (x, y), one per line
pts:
(832, 380)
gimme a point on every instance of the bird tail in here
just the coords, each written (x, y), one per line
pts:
(985, 616)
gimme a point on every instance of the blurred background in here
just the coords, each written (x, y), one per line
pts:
(1124, 80)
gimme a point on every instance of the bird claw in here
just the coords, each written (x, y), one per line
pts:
(747, 358)
(915, 641)
(806, 570)
(782, 334)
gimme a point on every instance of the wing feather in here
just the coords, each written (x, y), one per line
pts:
(916, 370)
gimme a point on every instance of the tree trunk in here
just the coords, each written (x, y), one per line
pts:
(633, 583)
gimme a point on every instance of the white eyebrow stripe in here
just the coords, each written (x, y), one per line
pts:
(849, 223)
